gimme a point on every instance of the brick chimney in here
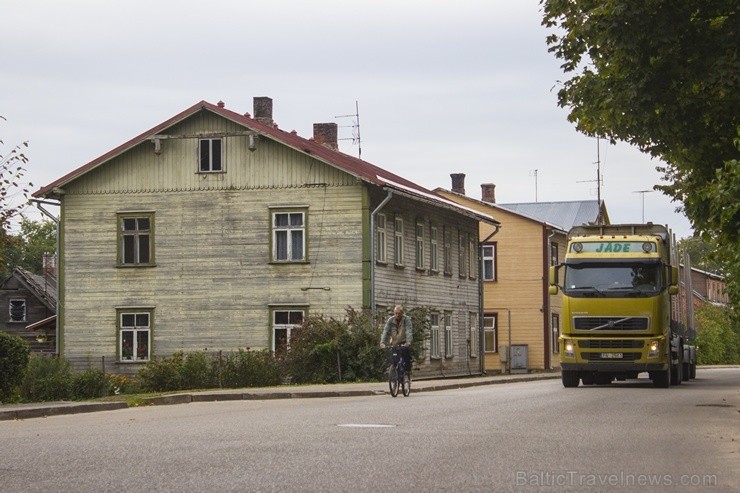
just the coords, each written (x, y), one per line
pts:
(326, 135)
(263, 110)
(488, 193)
(458, 183)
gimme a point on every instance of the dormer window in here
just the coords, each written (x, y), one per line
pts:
(210, 152)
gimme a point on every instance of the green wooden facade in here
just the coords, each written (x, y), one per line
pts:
(153, 247)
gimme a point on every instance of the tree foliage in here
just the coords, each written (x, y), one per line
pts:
(662, 75)
(12, 170)
(27, 249)
(718, 338)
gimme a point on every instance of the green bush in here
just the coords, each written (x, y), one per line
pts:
(14, 356)
(162, 374)
(89, 384)
(47, 379)
(198, 371)
(247, 368)
(717, 340)
(327, 350)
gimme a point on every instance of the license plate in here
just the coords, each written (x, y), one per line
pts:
(612, 355)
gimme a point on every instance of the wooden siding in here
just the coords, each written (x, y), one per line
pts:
(411, 287)
(212, 284)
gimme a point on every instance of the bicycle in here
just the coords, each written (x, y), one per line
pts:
(397, 374)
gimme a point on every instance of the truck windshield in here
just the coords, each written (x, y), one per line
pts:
(613, 279)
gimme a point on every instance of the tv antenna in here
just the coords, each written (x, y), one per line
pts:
(355, 129)
(599, 181)
(643, 192)
(534, 173)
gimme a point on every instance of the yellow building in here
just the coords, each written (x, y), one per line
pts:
(518, 312)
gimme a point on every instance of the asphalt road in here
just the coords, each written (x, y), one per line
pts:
(528, 436)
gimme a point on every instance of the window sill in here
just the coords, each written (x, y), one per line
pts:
(399, 266)
(289, 262)
(135, 266)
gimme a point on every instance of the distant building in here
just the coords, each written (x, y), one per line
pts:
(29, 302)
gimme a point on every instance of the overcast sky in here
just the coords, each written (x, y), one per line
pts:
(442, 87)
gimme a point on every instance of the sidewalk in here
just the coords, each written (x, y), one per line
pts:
(44, 409)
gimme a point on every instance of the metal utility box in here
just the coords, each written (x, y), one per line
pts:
(519, 358)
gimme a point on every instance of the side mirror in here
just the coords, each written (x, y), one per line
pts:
(553, 279)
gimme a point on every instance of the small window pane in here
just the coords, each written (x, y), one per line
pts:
(297, 244)
(296, 318)
(128, 320)
(142, 320)
(144, 249)
(129, 224)
(282, 318)
(216, 154)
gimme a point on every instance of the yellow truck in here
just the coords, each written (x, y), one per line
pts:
(619, 284)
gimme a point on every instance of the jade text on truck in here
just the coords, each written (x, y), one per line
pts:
(619, 285)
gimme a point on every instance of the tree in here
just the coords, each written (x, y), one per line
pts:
(662, 75)
(11, 187)
(27, 249)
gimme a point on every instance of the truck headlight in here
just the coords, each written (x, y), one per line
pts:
(654, 348)
(568, 349)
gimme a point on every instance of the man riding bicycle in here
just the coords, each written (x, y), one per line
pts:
(398, 332)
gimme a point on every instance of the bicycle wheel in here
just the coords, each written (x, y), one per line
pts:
(393, 380)
(406, 384)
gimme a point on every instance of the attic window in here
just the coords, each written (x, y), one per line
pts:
(17, 310)
(210, 152)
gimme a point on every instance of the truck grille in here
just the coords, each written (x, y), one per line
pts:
(612, 344)
(610, 323)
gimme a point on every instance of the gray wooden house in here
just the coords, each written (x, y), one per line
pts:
(29, 302)
(218, 230)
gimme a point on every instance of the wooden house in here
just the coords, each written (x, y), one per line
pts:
(29, 309)
(218, 230)
(521, 321)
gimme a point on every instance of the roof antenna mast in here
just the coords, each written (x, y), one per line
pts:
(599, 181)
(355, 129)
(534, 173)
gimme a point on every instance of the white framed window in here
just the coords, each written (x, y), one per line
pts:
(433, 249)
(447, 250)
(380, 239)
(555, 333)
(473, 334)
(448, 334)
(210, 154)
(419, 246)
(489, 262)
(134, 335)
(136, 239)
(284, 322)
(288, 236)
(490, 333)
(398, 244)
(434, 335)
(17, 310)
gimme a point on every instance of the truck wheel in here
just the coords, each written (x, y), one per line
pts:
(686, 372)
(603, 379)
(570, 378)
(587, 378)
(676, 373)
(661, 379)
(692, 373)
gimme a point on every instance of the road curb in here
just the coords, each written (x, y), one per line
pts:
(41, 410)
